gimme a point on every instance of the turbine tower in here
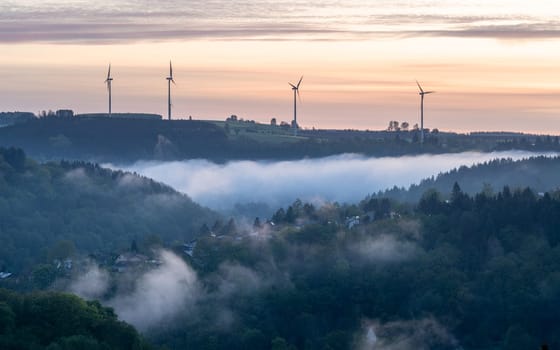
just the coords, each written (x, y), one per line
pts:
(422, 93)
(169, 81)
(295, 88)
(108, 82)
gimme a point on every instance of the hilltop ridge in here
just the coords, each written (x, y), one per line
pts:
(132, 139)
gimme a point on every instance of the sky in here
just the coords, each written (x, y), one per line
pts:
(493, 64)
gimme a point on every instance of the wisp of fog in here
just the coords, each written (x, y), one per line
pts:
(344, 178)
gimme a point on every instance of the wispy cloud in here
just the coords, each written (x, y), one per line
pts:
(426, 333)
(160, 294)
(76, 21)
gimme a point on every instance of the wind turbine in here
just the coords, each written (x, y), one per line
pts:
(169, 81)
(422, 93)
(295, 88)
(108, 82)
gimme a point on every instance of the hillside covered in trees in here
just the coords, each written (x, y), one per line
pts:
(49, 211)
(538, 173)
(473, 272)
(125, 140)
(56, 321)
(105, 139)
(446, 272)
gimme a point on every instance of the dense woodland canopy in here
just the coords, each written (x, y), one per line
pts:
(477, 272)
(128, 140)
(9, 118)
(471, 271)
(56, 321)
(53, 210)
(538, 173)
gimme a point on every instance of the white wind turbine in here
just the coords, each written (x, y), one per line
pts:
(295, 88)
(422, 93)
(169, 81)
(108, 82)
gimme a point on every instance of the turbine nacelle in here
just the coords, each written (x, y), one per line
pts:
(296, 87)
(422, 92)
(170, 77)
(109, 75)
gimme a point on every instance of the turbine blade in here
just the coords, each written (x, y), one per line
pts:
(109, 72)
(298, 96)
(292, 85)
(173, 81)
(429, 92)
(170, 70)
(299, 82)
(417, 83)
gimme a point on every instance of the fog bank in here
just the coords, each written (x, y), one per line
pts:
(342, 178)
(159, 294)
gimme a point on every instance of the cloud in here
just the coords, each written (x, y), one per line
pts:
(104, 21)
(385, 248)
(159, 295)
(130, 181)
(504, 32)
(421, 334)
(236, 279)
(344, 178)
(77, 175)
(92, 284)
(154, 298)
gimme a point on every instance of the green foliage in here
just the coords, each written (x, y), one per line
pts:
(43, 275)
(55, 210)
(485, 268)
(134, 139)
(537, 173)
(61, 321)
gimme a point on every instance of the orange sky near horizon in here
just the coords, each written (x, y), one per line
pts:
(501, 76)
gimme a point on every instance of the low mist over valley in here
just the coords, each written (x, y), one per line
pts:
(242, 186)
(279, 175)
(354, 263)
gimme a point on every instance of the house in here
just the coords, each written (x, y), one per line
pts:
(130, 259)
(66, 263)
(65, 113)
(352, 221)
(188, 248)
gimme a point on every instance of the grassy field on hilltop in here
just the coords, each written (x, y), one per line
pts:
(262, 133)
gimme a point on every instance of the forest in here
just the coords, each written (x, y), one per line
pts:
(57, 321)
(451, 270)
(53, 210)
(538, 173)
(130, 140)
(472, 272)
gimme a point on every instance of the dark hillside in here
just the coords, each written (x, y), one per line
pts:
(105, 139)
(130, 138)
(57, 321)
(471, 272)
(541, 174)
(46, 206)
